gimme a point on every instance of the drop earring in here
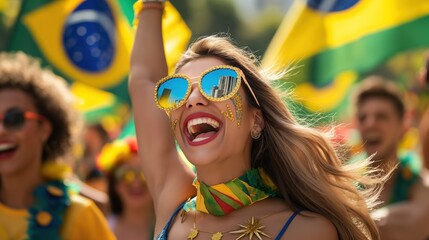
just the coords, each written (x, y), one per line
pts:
(255, 132)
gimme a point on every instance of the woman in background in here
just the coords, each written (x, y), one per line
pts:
(131, 214)
(37, 129)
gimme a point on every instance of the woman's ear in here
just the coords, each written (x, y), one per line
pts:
(259, 119)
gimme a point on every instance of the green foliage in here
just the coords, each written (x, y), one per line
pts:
(3, 32)
(260, 29)
(8, 13)
(207, 17)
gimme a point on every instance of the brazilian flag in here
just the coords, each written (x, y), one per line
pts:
(334, 43)
(88, 42)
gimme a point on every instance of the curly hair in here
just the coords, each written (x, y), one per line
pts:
(50, 95)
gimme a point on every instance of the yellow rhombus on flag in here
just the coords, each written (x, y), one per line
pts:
(89, 41)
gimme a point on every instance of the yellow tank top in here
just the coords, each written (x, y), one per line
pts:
(83, 221)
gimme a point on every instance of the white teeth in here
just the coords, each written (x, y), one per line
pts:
(199, 139)
(205, 120)
(6, 146)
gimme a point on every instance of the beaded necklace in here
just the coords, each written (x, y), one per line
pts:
(51, 201)
(47, 213)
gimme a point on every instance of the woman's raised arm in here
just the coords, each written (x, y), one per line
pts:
(168, 179)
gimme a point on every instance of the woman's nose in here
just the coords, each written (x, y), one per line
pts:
(370, 122)
(196, 98)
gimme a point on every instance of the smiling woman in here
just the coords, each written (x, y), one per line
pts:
(131, 215)
(258, 172)
(37, 128)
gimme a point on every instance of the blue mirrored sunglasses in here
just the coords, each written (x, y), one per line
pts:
(216, 84)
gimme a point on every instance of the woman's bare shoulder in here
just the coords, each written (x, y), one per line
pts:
(305, 225)
(309, 225)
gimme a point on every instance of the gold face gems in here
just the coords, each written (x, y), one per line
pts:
(173, 124)
(238, 104)
(228, 113)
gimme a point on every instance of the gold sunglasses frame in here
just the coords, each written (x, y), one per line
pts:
(240, 76)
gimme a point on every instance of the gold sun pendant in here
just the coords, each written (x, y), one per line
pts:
(193, 234)
(253, 228)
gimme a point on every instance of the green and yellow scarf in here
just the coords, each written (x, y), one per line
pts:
(253, 186)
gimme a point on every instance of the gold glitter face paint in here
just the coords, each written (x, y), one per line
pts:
(228, 113)
(173, 124)
(238, 104)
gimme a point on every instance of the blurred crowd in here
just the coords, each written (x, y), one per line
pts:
(48, 190)
(108, 171)
(103, 183)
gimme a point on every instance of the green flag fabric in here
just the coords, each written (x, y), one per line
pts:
(85, 41)
(89, 42)
(334, 43)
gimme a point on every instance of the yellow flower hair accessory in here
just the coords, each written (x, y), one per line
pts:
(56, 170)
(116, 152)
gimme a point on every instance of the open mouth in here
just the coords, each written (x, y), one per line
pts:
(135, 191)
(372, 139)
(200, 129)
(7, 148)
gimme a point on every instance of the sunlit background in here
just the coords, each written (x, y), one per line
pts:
(321, 88)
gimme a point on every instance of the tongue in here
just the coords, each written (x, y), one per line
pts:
(7, 150)
(203, 136)
(6, 153)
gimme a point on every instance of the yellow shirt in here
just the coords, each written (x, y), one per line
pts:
(83, 221)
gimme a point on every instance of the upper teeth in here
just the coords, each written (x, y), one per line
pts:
(6, 146)
(197, 121)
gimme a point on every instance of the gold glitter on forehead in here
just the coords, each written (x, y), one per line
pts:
(228, 113)
(238, 104)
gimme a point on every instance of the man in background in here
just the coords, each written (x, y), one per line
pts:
(380, 113)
